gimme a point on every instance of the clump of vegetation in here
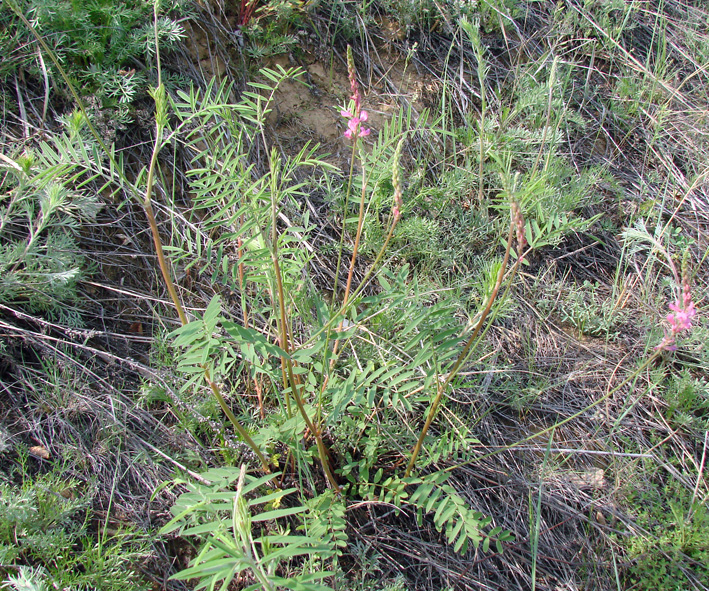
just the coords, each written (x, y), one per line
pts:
(672, 547)
(103, 46)
(40, 259)
(47, 542)
(450, 331)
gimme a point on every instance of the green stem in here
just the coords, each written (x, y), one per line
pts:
(462, 357)
(355, 249)
(148, 207)
(243, 433)
(344, 222)
(353, 260)
(283, 330)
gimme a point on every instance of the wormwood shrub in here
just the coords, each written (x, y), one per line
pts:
(98, 42)
(42, 203)
(44, 520)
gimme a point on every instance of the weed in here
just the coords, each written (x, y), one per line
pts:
(44, 520)
(675, 545)
(99, 43)
(687, 401)
(584, 309)
(39, 221)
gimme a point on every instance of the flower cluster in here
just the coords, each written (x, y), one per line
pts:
(683, 312)
(354, 129)
(355, 113)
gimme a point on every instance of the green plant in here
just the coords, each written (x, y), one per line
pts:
(238, 539)
(97, 41)
(687, 400)
(27, 579)
(584, 308)
(44, 521)
(40, 212)
(307, 384)
(412, 15)
(267, 28)
(673, 548)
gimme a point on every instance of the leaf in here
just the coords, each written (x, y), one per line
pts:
(185, 335)
(277, 513)
(202, 529)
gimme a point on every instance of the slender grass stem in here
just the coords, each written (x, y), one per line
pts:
(344, 223)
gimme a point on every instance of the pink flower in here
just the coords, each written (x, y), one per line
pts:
(354, 128)
(682, 317)
(683, 312)
(667, 344)
(354, 113)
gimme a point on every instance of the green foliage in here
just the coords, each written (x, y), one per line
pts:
(235, 202)
(330, 393)
(98, 42)
(364, 376)
(268, 33)
(687, 401)
(235, 537)
(325, 521)
(419, 238)
(676, 545)
(584, 308)
(27, 579)
(430, 495)
(40, 212)
(44, 521)
(413, 15)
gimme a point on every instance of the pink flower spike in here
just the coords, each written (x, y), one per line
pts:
(687, 298)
